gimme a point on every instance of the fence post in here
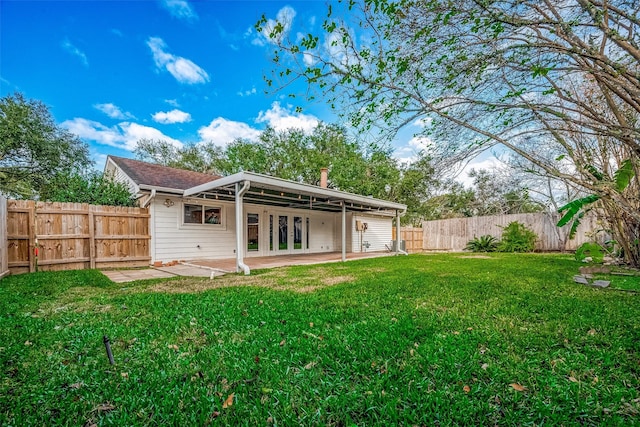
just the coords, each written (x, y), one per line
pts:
(32, 235)
(4, 255)
(92, 238)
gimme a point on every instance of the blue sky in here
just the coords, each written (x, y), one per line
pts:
(115, 72)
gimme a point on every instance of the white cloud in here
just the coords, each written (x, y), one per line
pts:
(117, 32)
(180, 9)
(249, 92)
(489, 163)
(125, 135)
(423, 122)
(184, 70)
(172, 102)
(308, 59)
(284, 17)
(113, 111)
(69, 47)
(283, 118)
(173, 116)
(222, 131)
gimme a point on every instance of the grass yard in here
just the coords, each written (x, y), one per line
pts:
(439, 339)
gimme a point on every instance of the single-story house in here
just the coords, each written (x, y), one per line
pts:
(201, 216)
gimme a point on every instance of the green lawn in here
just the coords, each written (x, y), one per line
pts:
(419, 340)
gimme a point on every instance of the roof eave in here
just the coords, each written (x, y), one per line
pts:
(294, 187)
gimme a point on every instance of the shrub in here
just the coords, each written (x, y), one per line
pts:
(486, 243)
(516, 237)
(590, 250)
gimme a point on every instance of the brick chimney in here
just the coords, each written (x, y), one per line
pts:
(323, 177)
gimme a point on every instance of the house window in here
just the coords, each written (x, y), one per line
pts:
(198, 214)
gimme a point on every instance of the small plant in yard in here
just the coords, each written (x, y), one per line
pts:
(517, 237)
(486, 243)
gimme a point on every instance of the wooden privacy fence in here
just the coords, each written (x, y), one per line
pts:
(4, 259)
(412, 237)
(454, 234)
(74, 236)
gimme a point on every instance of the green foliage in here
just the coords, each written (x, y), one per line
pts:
(93, 188)
(385, 341)
(623, 175)
(517, 237)
(575, 211)
(33, 148)
(486, 243)
(590, 250)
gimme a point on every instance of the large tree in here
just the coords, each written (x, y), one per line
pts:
(556, 83)
(33, 148)
(292, 154)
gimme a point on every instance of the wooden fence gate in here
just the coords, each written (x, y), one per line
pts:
(412, 237)
(74, 236)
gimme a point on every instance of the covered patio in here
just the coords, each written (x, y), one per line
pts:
(262, 190)
(229, 265)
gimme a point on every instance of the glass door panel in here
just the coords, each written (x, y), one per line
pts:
(252, 232)
(283, 232)
(297, 232)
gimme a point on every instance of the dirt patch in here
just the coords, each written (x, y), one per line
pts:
(336, 280)
(476, 257)
(277, 280)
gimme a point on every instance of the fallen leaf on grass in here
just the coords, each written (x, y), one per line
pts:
(517, 387)
(310, 365)
(215, 414)
(104, 407)
(28, 343)
(173, 347)
(591, 332)
(466, 389)
(228, 402)
(573, 379)
(595, 380)
(456, 333)
(311, 324)
(484, 366)
(124, 374)
(76, 385)
(283, 342)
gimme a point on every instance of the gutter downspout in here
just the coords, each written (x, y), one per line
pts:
(240, 265)
(398, 236)
(151, 197)
(344, 231)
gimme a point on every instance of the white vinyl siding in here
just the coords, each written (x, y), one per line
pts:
(378, 233)
(173, 240)
(120, 176)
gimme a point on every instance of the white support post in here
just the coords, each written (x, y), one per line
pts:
(344, 232)
(398, 237)
(240, 265)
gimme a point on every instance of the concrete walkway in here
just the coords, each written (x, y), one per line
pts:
(186, 270)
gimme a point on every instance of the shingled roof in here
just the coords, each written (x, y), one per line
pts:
(143, 173)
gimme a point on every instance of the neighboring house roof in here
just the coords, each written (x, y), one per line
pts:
(145, 174)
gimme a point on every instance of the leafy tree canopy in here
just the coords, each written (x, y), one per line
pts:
(555, 83)
(94, 188)
(33, 149)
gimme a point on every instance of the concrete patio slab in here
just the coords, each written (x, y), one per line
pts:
(229, 264)
(212, 268)
(121, 276)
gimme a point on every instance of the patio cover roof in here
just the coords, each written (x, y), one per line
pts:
(268, 190)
